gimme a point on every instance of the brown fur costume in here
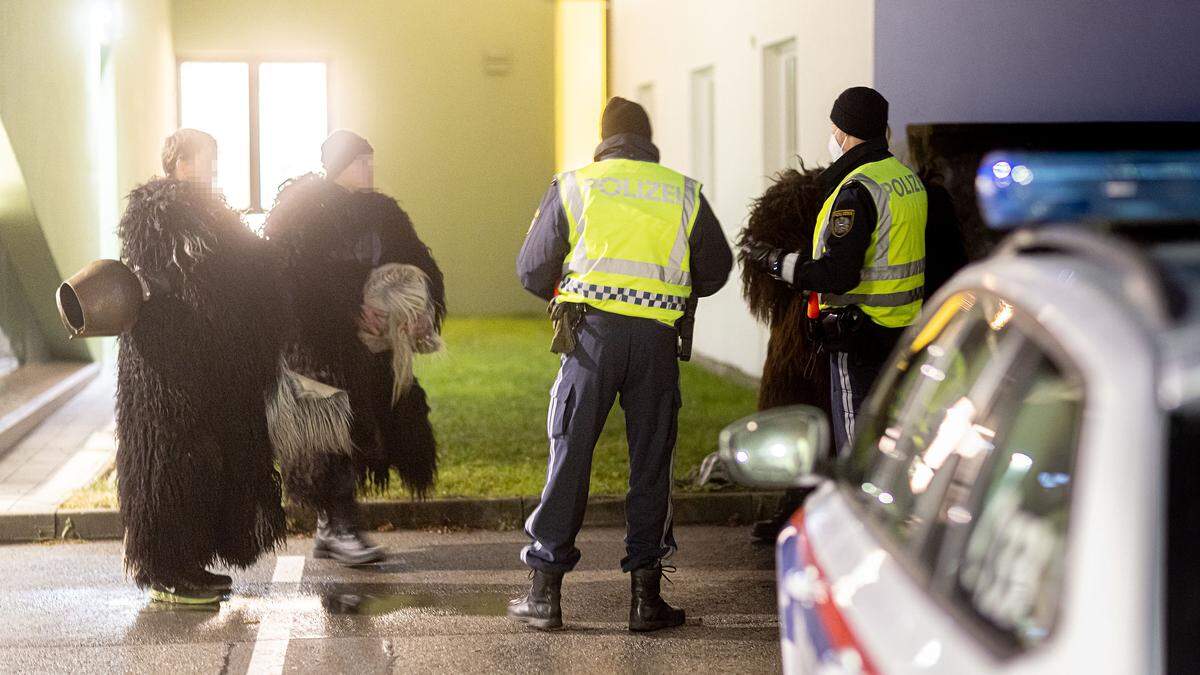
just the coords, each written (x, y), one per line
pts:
(196, 476)
(785, 216)
(331, 240)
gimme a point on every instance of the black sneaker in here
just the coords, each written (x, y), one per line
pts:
(541, 607)
(345, 545)
(184, 595)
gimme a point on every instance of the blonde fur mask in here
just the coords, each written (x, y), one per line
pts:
(402, 293)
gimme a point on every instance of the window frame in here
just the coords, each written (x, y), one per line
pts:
(646, 95)
(779, 106)
(989, 637)
(252, 61)
(704, 77)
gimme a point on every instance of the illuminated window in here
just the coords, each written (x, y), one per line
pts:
(215, 97)
(292, 120)
(269, 120)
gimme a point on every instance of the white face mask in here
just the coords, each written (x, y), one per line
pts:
(835, 148)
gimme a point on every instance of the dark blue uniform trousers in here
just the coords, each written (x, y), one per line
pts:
(851, 376)
(850, 381)
(635, 358)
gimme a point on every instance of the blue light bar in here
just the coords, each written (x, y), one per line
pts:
(1028, 188)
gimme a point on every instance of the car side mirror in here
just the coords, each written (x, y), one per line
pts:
(778, 448)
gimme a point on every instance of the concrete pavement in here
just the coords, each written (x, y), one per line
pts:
(437, 603)
(64, 453)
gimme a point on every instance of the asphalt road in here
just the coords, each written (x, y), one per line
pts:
(437, 603)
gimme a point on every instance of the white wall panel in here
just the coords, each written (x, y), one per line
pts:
(662, 42)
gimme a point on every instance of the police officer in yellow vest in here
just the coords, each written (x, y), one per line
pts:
(868, 252)
(626, 241)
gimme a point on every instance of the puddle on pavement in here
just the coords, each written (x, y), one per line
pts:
(152, 607)
(475, 603)
(335, 599)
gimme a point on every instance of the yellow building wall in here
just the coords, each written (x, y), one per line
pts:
(580, 71)
(78, 147)
(468, 154)
(145, 88)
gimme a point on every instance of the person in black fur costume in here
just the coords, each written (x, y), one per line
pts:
(196, 476)
(332, 231)
(785, 216)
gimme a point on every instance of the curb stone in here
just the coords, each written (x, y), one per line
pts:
(27, 526)
(708, 508)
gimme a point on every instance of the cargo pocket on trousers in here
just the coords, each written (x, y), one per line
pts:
(560, 413)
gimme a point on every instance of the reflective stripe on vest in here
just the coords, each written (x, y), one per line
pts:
(643, 298)
(630, 222)
(892, 282)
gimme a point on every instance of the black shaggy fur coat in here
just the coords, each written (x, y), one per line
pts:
(196, 476)
(331, 239)
(785, 216)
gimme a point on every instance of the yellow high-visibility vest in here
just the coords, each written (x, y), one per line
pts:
(629, 227)
(893, 274)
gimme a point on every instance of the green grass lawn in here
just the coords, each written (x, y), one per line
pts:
(489, 393)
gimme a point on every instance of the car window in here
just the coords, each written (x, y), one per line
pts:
(964, 459)
(904, 454)
(1013, 523)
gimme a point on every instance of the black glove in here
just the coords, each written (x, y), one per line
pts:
(765, 257)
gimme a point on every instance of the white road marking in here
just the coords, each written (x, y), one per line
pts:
(270, 647)
(289, 569)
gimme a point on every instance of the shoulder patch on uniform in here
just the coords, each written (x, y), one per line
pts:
(841, 222)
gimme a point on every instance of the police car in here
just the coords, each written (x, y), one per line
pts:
(1022, 494)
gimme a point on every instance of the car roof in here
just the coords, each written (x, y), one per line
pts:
(1154, 274)
(1126, 224)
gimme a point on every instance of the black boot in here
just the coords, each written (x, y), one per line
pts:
(541, 606)
(338, 539)
(647, 610)
(767, 531)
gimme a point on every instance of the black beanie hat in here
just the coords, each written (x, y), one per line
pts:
(861, 112)
(341, 149)
(622, 116)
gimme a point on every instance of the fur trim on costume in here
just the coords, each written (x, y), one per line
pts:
(785, 216)
(196, 477)
(308, 422)
(402, 291)
(306, 417)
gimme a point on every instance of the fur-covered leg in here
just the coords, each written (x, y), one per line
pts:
(167, 513)
(321, 483)
(408, 442)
